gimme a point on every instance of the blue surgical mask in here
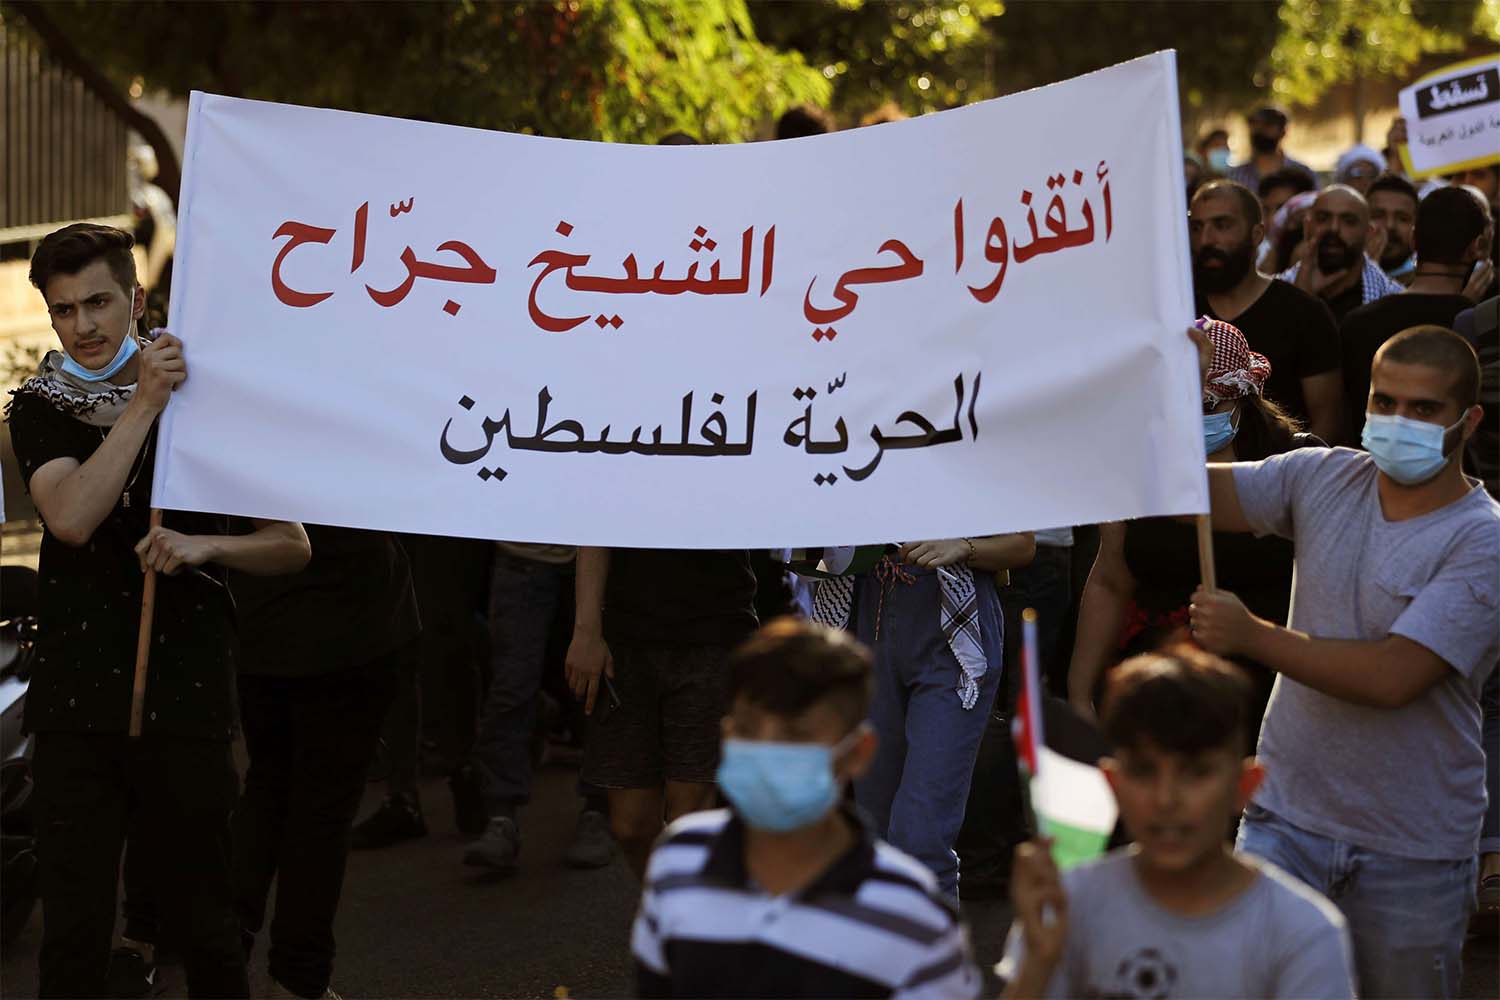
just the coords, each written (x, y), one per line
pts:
(128, 349)
(1218, 159)
(1218, 431)
(1409, 451)
(781, 787)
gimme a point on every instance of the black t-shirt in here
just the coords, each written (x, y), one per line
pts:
(1345, 302)
(89, 607)
(1296, 332)
(351, 604)
(1368, 327)
(1162, 555)
(679, 597)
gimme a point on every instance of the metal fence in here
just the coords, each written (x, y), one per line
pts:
(62, 152)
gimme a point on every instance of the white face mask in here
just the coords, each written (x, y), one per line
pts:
(1409, 451)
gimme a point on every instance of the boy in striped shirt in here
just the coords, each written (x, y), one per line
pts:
(788, 893)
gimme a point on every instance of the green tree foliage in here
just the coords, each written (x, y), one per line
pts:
(922, 56)
(1220, 46)
(1324, 43)
(621, 70)
(933, 55)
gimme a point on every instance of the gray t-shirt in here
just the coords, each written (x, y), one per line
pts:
(1278, 938)
(1409, 781)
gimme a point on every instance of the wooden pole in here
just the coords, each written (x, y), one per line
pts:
(1206, 552)
(143, 642)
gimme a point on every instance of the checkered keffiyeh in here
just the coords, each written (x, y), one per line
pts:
(958, 617)
(1237, 371)
(1374, 284)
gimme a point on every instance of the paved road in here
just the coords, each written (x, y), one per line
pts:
(416, 923)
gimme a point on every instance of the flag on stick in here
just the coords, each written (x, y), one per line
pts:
(1072, 802)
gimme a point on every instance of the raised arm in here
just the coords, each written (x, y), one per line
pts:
(75, 497)
(1381, 673)
(1224, 499)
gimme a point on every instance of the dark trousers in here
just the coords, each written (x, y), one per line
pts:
(182, 792)
(142, 918)
(310, 742)
(451, 579)
(527, 598)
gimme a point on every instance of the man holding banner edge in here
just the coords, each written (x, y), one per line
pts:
(1376, 792)
(84, 433)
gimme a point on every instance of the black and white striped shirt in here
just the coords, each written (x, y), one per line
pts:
(873, 925)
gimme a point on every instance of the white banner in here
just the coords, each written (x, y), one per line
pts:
(1453, 118)
(965, 323)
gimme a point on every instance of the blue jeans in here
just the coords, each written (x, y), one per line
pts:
(917, 786)
(1407, 917)
(525, 594)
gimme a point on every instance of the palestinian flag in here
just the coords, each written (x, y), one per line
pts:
(1072, 801)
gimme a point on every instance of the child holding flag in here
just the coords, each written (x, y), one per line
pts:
(1176, 914)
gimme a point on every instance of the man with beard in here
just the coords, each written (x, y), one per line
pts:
(1453, 233)
(1393, 216)
(1334, 265)
(1267, 130)
(1290, 327)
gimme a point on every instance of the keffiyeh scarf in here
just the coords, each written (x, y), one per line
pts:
(98, 404)
(1373, 281)
(958, 617)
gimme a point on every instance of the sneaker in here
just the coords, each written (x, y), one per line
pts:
(130, 975)
(398, 818)
(592, 845)
(468, 807)
(498, 848)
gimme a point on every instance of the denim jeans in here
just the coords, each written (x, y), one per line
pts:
(918, 784)
(1407, 916)
(525, 596)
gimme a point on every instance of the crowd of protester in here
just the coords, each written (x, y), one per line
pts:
(1301, 770)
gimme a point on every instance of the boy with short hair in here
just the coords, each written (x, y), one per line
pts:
(787, 893)
(1175, 914)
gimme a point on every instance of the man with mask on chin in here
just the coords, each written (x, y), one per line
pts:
(787, 893)
(84, 430)
(1333, 264)
(1287, 325)
(1372, 738)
